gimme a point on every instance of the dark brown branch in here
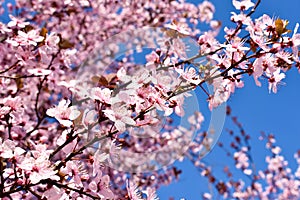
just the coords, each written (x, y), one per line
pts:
(15, 64)
(73, 189)
(70, 138)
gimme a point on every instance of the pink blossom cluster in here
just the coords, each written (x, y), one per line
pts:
(276, 181)
(79, 123)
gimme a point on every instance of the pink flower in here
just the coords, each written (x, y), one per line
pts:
(243, 18)
(38, 170)
(222, 90)
(258, 70)
(15, 22)
(135, 193)
(151, 194)
(62, 139)
(260, 41)
(175, 104)
(4, 111)
(275, 79)
(89, 117)
(207, 196)
(8, 149)
(132, 190)
(73, 170)
(189, 74)
(100, 186)
(217, 99)
(152, 59)
(243, 4)
(206, 11)
(247, 171)
(51, 43)
(122, 76)
(4, 29)
(284, 56)
(39, 71)
(274, 163)
(14, 102)
(208, 42)
(120, 116)
(103, 95)
(55, 193)
(196, 119)
(235, 46)
(32, 37)
(276, 150)
(23, 39)
(147, 120)
(177, 28)
(37, 165)
(99, 158)
(296, 41)
(63, 113)
(242, 160)
(40, 150)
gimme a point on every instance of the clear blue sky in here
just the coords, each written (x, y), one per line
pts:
(255, 107)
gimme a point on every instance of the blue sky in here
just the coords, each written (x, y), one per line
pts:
(255, 107)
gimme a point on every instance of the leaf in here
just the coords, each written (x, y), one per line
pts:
(3, 38)
(78, 120)
(105, 80)
(65, 44)
(111, 77)
(71, 10)
(101, 80)
(95, 79)
(253, 46)
(43, 32)
(19, 83)
(280, 26)
(28, 28)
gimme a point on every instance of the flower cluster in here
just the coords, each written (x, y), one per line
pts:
(276, 181)
(80, 121)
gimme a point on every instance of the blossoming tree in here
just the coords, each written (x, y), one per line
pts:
(94, 93)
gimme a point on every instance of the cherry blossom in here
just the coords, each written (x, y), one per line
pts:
(243, 4)
(17, 22)
(100, 185)
(8, 149)
(135, 194)
(133, 191)
(178, 28)
(120, 136)
(207, 10)
(38, 168)
(30, 38)
(276, 181)
(120, 116)
(242, 159)
(296, 41)
(39, 72)
(55, 193)
(258, 70)
(241, 18)
(235, 46)
(73, 170)
(190, 75)
(62, 139)
(275, 79)
(103, 95)
(63, 113)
